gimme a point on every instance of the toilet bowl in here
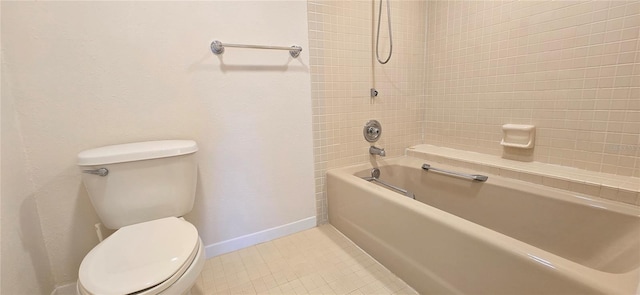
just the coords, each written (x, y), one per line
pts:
(162, 256)
(142, 190)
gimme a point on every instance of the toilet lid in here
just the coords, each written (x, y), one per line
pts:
(138, 256)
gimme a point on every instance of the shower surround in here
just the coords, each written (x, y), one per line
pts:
(343, 70)
(462, 69)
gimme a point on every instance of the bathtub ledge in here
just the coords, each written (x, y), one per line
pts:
(618, 188)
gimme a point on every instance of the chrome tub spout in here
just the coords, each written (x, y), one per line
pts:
(377, 151)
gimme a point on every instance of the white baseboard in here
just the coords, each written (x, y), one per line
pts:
(259, 237)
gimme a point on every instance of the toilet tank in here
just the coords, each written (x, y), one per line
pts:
(145, 180)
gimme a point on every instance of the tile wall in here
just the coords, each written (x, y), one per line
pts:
(571, 68)
(344, 68)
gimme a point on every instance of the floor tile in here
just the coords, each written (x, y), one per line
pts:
(316, 261)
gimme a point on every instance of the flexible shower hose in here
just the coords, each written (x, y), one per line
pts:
(378, 35)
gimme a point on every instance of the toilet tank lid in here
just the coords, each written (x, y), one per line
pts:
(136, 151)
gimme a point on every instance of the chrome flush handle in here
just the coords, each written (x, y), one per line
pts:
(99, 171)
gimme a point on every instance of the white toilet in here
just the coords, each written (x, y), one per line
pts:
(142, 190)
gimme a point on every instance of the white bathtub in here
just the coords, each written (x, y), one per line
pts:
(502, 236)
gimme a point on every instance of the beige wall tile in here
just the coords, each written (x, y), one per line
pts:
(344, 69)
(567, 68)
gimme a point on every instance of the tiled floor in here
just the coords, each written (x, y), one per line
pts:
(316, 261)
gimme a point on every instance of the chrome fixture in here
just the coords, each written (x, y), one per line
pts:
(217, 47)
(477, 177)
(377, 151)
(374, 92)
(378, 35)
(372, 131)
(99, 171)
(375, 174)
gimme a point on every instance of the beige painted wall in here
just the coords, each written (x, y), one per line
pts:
(24, 264)
(85, 75)
(571, 68)
(344, 68)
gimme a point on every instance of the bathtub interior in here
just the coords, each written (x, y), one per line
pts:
(585, 231)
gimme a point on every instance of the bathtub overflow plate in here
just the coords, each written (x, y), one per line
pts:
(372, 131)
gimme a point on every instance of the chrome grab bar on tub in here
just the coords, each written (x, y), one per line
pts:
(391, 186)
(375, 173)
(476, 177)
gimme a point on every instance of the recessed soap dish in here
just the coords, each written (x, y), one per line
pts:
(518, 136)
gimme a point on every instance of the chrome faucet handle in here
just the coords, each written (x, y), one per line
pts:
(372, 131)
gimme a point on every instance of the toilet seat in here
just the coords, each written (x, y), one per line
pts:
(143, 258)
